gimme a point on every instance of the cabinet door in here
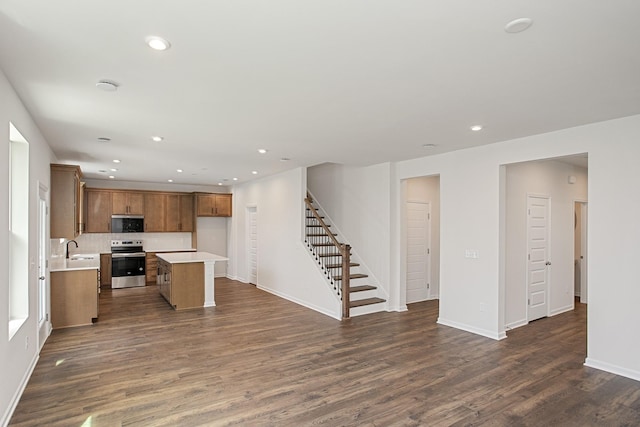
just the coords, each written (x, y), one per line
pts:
(105, 270)
(151, 268)
(65, 201)
(154, 212)
(98, 211)
(186, 212)
(119, 203)
(127, 203)
(173, 212)
(206, 204)
(223, 205)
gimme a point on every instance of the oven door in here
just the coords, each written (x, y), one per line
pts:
(128, 270)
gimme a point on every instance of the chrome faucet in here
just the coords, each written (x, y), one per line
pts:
(70, 241)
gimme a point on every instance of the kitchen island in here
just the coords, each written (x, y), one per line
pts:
(186, 280)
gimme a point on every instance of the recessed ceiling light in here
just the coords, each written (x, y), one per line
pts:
(104, 139)
(111, 177)
(219, 183)
(476, 128)
(518, 25)
(157, 43)
(254, 172)
(157, 138)
(107, 85)
(179, 170)
(114, 170)
(169, 180)
(235, 179)
(428, 145)
(262, 151)
(116, 161)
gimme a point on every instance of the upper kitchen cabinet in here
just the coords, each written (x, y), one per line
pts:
(127, 203)
(213, 204)
(98, 211)
(66, 201)
(155, 205)
(179, 212)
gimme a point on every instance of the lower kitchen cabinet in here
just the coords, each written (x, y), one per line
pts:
(151, 266)
(74, 297)
(182, 285)
(105, 271)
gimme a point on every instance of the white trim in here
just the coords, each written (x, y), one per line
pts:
(614, 369)
(6, 417)
(321, 310)
(472, 329)
(517, 324)
(562, 310)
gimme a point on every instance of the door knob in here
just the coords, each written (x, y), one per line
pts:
(548, 263)
(41, 278)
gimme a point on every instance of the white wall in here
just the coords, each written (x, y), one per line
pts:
(357, 201)
(16, 358)
(427, 190)
(542, 178)
(154, 186)
(212, 238)
(471, 289)
(285, 267)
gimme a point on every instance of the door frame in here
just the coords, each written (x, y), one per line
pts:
(43, 245)
(428, 260)
(249, 209)
(584, 248)
(549, 256)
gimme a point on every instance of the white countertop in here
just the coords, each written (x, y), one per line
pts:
(185, 257)
(88, 262)
(170, 250)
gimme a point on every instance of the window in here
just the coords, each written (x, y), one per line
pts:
(18, 230)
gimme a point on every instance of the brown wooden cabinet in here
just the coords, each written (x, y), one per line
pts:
(179, 214)
(154, 212)
(182, 285)
(213, 204)
(74, 298)
(151, 266)
(127, 203)
(97, 211)
(66, 201)
(105, 271)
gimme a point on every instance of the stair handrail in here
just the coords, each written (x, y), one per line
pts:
(344, 250)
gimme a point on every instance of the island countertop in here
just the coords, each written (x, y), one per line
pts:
(186, 257)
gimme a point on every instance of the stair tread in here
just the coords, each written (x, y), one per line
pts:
(330, 254)
(321, 235)
(352, 276)
(351, 264)
(366, 301)
(317, 225)
(323, 244)
(361, 288)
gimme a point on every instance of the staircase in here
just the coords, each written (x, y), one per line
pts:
(334, 260)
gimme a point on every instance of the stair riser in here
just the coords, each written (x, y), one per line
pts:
(356, 296)
(368, 309)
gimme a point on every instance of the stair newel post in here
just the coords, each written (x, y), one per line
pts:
(346, 261)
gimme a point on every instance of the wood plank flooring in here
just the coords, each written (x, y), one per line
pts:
(258, 360)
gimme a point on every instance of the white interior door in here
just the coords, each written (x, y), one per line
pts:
(252, 244)
(43, 276)
(418, 251)
(538, 257)
(583, 254)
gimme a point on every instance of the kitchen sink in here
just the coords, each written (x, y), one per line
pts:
(78, 257)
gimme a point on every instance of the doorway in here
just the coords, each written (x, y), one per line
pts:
(44, 327)
(418, 251)
(252, 244)
(538, 256)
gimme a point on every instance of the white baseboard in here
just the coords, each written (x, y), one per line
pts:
(516, 324)
(302, 303)
(468, 328)
(614, 369)
(6, 417)
(561, 310)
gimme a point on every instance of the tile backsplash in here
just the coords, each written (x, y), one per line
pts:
(101, 242)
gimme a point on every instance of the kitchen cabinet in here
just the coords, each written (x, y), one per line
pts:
(105, 271)
(74, 297)
(182, 285)
(98, 211)
(151, 268)
(179, 212)
(127, 203)
(154, 212)
(213, 204)
(66, 201)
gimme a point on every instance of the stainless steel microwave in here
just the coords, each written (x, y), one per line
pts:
(127, 223)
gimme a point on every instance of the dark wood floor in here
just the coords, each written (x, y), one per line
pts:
(256, 360)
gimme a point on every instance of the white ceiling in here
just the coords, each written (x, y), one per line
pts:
(346, 81)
